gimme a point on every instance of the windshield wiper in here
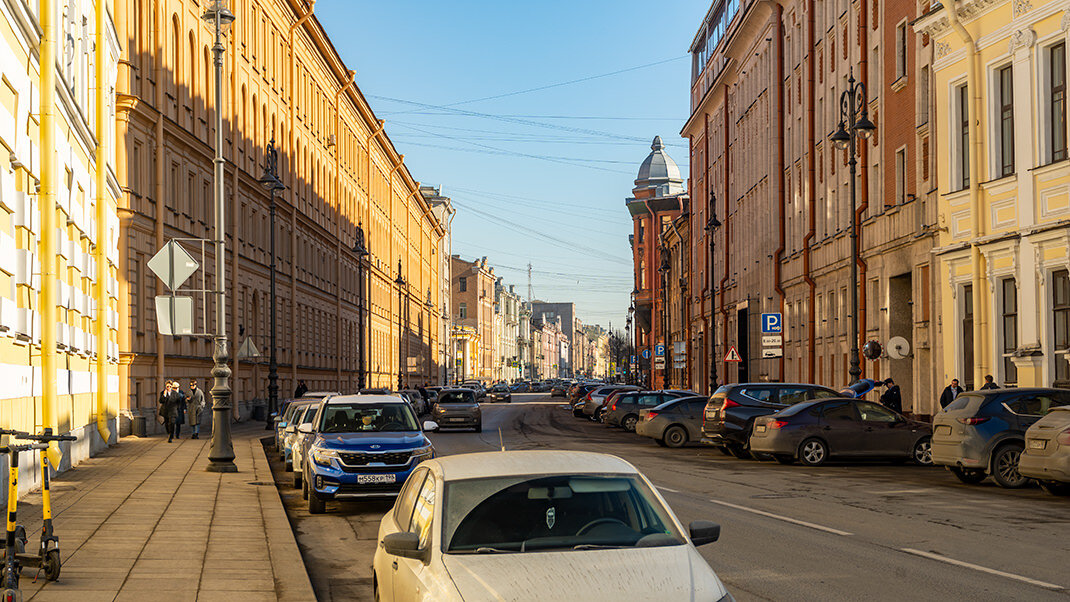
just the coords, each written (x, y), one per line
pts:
(489, 550)
(595, 546)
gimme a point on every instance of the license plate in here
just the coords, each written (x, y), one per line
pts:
(943, 430)
(456, 419)
(760, 428)
(1037, 444)
(377, 478)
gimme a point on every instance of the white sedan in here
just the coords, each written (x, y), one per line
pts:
(538, 525)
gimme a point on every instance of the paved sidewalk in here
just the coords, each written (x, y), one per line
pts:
(145, 521)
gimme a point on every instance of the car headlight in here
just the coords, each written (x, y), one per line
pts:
(323, 456)
(424, 453)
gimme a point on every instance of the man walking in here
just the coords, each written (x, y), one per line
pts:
(892, 398)
(194, 407)
(950, 393)
(301, 389)
(167, 410)
(989, 383)
(180, 407)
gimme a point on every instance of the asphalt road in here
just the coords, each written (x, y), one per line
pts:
(838, 532)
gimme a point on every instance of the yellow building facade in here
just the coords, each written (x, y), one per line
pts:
(58, 224)
(283, 82)
(1003, 254)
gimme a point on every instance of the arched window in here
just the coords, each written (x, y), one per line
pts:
(176, 55)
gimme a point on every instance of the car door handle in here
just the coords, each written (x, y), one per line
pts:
(395, 563)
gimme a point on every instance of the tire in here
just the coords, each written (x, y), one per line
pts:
(723, 450)
(479, 428)
(968, 475)
(51, 565)
(784, 459)
(297, 479)
(922, 453)
(1055, 487)
(629, 422)
(578, 413)
(813, 452)
(738, 451)
(1005, 467)
(675, 437)
(315, 504)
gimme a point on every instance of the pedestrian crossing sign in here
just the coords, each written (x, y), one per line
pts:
(732, 355)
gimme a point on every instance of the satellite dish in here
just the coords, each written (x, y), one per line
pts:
(898, 348)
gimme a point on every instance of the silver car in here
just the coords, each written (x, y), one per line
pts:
(457, 408)
(1046, 457)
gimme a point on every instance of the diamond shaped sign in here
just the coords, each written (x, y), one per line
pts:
(173, 264)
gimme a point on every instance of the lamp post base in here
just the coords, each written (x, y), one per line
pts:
(221, 456)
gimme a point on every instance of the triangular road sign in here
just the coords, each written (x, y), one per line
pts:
(173, 264)
(732, 355)
(248, 349)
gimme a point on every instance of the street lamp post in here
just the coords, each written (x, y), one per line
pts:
(401, 335)
(271, 181)
(430, 350)
(853, 112)
(666, 336)
(361, 252)
(712, 224)
(221, 455)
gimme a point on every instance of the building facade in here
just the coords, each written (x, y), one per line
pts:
(544, 311)
(473, 314)
(284, 84)
(507, 332)
(442, 207)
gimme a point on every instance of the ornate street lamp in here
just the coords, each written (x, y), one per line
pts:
(853, 111)
(361, 251)
(221, 455)
(270, 180)
(712, 224)
(401, 335)
(664, 269)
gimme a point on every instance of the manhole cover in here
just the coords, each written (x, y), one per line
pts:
(772, 496)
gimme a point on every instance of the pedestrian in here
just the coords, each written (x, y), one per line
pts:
(165, 407)
(989, 383)
(301, 389)
(180, 407)
(950, 393)
(423, 392)
(892, 398)
(194, 407)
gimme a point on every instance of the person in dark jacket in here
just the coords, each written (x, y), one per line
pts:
(180, 406)
(194, 407)
(301, 389)
(950, 393)
(892, 398)
(166, 406)
(989, 383)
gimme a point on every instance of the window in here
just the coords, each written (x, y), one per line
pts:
(1060, 291)
(792, 396)
(963, 130)
(1006, 121)
(423, 512)
(761, 394)
(967, 337)
(1009, 327)
(1057, 102)
(872, 412)
(463, 311)
(900, 176)
(923, 96)
(836, 411)
(462, 284)
(900, 50)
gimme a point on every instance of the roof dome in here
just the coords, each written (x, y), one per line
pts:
(658, 167)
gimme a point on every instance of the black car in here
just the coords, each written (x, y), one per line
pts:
(729, 417)
(814, 431)
(499, 392)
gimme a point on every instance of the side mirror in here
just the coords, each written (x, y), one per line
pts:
(430, 425)
(406, 545)
(305, 428)
(703, 532)
(290, 429)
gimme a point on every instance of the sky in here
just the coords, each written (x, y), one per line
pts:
(482, 98)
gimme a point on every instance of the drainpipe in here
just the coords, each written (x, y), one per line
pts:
(46, 249)
(860, 211)
(99, 251)
(811, 203)
(158, 193)
(976, 261)
(727, 229)
(338, 228)
(778, 255)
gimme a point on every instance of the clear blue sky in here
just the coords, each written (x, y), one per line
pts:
(557, 161)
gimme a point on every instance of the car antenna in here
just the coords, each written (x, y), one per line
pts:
(500, 439)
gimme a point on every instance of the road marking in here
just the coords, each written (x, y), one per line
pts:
(667, 489)
(784, 518)
(980, 568)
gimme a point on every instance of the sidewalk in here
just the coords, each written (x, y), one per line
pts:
(145, 521)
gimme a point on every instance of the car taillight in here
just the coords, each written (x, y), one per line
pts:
(1064, 437)
(651, 415)
(777, 424)
(613, 408)
(974, 420)
(728, 403)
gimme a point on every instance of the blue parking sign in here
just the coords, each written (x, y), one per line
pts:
(772, 323)
(659, 350)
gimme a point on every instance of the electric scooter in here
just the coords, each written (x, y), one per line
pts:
(47, 559)
(15, 540)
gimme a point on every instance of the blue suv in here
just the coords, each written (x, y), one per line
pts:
(361, 447)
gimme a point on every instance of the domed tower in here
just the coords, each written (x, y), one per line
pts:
(658, 198)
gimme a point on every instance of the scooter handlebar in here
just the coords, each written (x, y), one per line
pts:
(30, 437)
(13, 432)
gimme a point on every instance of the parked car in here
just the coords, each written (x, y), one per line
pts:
(624, 411)
(674, 423)
(362, 446)
(560, 389)
(576, 525)
(476, 386)
(521, 387)
(815, 431)
(299, 442)
(540, 387)
(415, 399)
(499, 392)
(579, 398)
(289, 433)
(319, 394)
(282, 423)
(982, 433)
(1046, 457)
(457, 408)
(729, 417)
(594, 399)
(600, 413)
(278, 420)
(376, 391)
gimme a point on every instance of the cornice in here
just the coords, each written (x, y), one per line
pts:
(936, 22)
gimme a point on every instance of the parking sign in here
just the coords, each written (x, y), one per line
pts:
(772, 324)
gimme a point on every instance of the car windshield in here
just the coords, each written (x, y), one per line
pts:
(367, 417)
(499, 389)
(455, 397)
(562, 512)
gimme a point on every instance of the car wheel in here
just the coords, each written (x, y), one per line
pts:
(923, 452)
(577, 413)
(629, 421)
(967, 475)
(813, 452)
(315, 504)
(1005, 467)
(738, 451)
(675, 436)
(297, 479)
(784, 459)
(1055, 487)
(479, 428)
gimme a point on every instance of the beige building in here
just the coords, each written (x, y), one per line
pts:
(283, 82)
(472, 308)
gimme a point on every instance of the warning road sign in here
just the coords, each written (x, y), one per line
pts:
(732, 355)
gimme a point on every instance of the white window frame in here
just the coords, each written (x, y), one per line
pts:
(1042, 65)
(995, 123)
(955, 149)
(902, 53)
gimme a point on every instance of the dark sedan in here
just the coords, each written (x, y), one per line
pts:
(731, 412)
(624, 410)
(457, 408)
(815, 431)
(499, 392)
(674, 423)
